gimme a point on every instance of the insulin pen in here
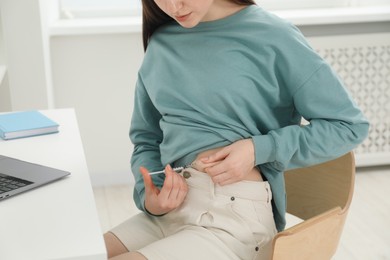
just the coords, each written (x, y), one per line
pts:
(177, 169)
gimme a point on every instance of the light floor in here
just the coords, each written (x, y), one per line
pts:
(366, 234)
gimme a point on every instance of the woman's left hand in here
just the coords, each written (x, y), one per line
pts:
(232, 163)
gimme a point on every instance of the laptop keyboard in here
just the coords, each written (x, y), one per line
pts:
(8, 183)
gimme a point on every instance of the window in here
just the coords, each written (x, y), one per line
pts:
(316, 4)
(70, 9)
(115, 8)
(300, 4)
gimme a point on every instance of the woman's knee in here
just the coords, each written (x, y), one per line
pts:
(130, 256)
(114, 245)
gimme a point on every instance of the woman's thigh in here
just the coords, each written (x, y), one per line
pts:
(191, 243)
(135, 233)
(129, 256)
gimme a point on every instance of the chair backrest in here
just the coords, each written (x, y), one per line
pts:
(321, 196)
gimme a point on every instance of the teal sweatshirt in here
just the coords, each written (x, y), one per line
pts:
(249, 75)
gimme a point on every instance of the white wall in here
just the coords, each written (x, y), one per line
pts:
(2, 47)
(25, 54)
(96, 75)
(5, 100)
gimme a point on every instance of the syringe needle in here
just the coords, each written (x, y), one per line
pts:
(177, 169)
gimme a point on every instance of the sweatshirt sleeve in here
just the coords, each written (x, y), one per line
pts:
(146, 136)
(336, 125)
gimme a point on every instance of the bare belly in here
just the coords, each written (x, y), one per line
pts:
(254, 174)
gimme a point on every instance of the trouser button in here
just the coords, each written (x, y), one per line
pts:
(186, 174)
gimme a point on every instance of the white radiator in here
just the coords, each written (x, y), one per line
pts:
(363, 63)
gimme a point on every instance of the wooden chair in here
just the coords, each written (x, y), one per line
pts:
(321, 196)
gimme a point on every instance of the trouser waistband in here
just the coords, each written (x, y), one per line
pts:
(252, 190)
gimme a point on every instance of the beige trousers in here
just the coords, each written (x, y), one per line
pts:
(214, 222)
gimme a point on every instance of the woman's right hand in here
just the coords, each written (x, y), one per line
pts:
(170, 196)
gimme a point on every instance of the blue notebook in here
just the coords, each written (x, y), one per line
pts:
(24, 124)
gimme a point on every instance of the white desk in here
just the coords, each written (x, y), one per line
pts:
(59, 220)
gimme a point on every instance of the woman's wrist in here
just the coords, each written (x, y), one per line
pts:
(150, 213)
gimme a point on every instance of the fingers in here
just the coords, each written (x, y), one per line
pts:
(170, 196)
(226, 179)
(215, 164)
(168, 183)
(222, 178)
(235, 162)
(218, 156)
(216, 169)
(224, 173)
(201, 166)
(149, 185)
(174, 184)
(174, 190)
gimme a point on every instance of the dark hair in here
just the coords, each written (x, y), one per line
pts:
(153, 17)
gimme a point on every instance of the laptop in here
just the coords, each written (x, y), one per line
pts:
(17, 176)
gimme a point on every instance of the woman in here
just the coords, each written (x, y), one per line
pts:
(221, 92)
